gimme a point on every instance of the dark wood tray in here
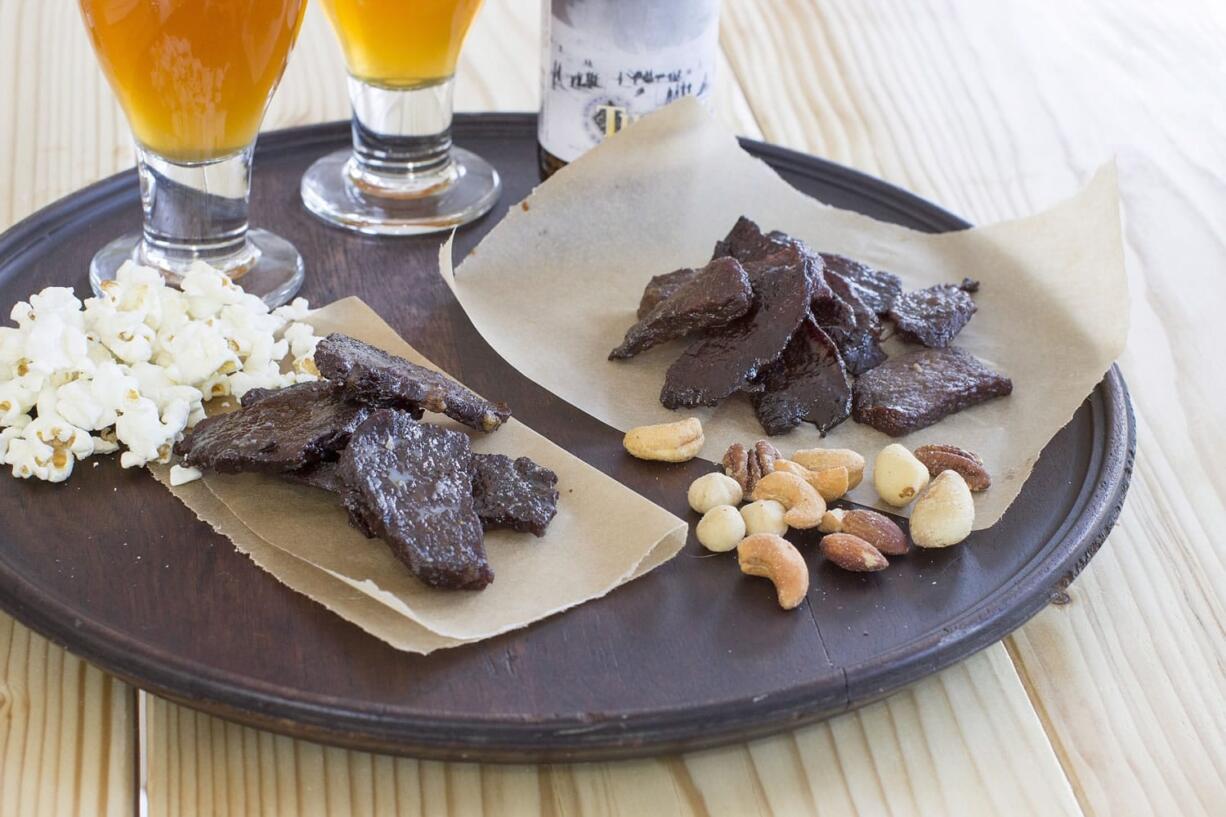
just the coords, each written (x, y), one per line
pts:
(116, 570)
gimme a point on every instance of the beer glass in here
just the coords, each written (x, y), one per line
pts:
(194, 78)
(402, 176)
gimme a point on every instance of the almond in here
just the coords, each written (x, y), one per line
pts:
(852, 553)
(938, 458)
(877, 529)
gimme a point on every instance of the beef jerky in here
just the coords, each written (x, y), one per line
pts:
(851, 324)
(324, 475)
(253, 396)
(747, 243)
(287, 430)
(661, 286)
(716, 297)
(932, 316)
(808, 383)
(410, 484)
(876, 288)
(377, 378)
(917, 389)
(516, 494)
(729, 359)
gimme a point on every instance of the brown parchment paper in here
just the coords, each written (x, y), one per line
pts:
(555, 285)
(603, 535)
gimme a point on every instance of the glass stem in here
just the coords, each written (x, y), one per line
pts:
(196, 212)
(401, 138)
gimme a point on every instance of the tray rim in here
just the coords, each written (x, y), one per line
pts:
(593, 737)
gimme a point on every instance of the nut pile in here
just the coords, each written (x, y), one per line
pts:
(793, 493)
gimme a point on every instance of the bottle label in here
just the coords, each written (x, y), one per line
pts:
(607, 63)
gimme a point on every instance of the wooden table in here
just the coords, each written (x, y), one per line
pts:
(1109, 704)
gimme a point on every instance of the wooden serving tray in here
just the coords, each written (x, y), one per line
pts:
(111, 566)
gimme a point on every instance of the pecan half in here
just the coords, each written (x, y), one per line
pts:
(938, 458)
(748, 465)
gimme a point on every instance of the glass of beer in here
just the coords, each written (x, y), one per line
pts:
(402, 176)
(194, 78)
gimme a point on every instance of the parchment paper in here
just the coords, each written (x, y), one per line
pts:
(555, 285)
(603, 535)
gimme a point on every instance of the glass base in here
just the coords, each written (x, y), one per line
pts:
(275, 276)
(467, 191)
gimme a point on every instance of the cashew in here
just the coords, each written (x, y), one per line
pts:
(666, 442)
(944, 515)
(803, 504)
(775, 558)
(764, 516)
(831, 483)
(713, 489)
(819, 459)
(720, 528)
(898, 475)
(832, 521)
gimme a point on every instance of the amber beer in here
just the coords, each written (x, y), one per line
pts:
(193, 76)
(401, 43)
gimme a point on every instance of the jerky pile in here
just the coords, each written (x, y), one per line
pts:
(794, 330)
(358, 434)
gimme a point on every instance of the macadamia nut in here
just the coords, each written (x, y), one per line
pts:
(764, 516)
(898, 475)
(720, 529)
(711, 490)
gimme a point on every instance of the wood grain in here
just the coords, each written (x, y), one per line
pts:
(964, 742)
(992, 109)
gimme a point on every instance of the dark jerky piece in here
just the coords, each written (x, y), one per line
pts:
(516, 494)
(253, 396)
(410, 484)
(878, 289)
(917, 389)
(747, 243)
(932, 316)
(661, 286)
(375, 377)
(325, 476)
(287, 430)
(850, 323)
(729, 359)
(808, 383)
(716, 297)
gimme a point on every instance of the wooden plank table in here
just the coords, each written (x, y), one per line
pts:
(1109, 704)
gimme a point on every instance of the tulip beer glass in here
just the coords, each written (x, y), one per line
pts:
(402, 176)
(194, 78)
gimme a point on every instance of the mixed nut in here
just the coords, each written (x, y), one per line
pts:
(793, 492)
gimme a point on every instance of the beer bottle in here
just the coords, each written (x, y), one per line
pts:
(608, 62)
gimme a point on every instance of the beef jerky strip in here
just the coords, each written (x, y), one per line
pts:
(516, 494)
(915, 390)
(287, 430)
(661, 286)
(375, 377)
(716, 297)
(851, 324)
(932, 316)
(730, 358)
(808, 383)
(410, 484)
(876, 288)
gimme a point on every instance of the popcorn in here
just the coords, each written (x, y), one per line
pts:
(133, 367)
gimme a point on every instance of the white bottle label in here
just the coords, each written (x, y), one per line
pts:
(606, 63)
